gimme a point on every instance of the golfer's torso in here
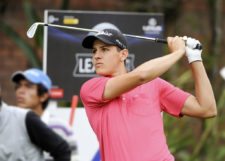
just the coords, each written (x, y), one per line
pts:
(130, 128)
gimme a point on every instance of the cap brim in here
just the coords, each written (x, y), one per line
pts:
(16, 77)
(89, 41)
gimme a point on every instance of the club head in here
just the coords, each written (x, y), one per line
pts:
(32, 30)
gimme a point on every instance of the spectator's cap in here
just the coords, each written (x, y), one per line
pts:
(108, 36)
(33, 75)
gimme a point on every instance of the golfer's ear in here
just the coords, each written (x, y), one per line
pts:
(124, 54)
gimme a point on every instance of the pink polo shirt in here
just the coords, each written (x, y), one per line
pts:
(130, 127)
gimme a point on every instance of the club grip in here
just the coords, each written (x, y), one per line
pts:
(198, 46)
(164, 41)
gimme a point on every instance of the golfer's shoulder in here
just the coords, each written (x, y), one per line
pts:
(155, 81)
(158, 83)
(93, 82)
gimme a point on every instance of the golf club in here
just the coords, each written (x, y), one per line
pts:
(32, 30)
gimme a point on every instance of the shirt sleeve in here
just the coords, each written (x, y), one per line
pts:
(92, 92)
(46, 139)
(172, 99)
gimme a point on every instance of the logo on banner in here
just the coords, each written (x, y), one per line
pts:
(152, 28)
(52, 19)
(84, 67)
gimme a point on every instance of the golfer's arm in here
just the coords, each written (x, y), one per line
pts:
(142, 74)
(203, 104)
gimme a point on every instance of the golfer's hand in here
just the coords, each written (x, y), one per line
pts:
(192, 53)
(176, 44)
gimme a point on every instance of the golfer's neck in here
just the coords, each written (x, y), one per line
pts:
(120, 71)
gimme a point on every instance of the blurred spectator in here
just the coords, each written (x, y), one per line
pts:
(24, 137)
(32, 91)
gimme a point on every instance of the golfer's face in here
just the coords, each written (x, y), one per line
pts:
(106, 58)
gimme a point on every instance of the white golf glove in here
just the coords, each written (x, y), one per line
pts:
(192, 53)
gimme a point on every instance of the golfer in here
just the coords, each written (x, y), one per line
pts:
(124, 108)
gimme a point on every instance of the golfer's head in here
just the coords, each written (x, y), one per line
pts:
(109, 48)
(108, 36)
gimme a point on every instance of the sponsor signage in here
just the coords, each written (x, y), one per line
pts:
(69, 65)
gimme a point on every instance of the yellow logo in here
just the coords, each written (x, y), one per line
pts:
(69, 20)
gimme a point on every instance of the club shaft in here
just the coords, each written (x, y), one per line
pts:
(147, 38)
(157, 40)
(91, 30)
(70, 27)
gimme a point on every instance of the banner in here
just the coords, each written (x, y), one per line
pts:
(69, 65)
